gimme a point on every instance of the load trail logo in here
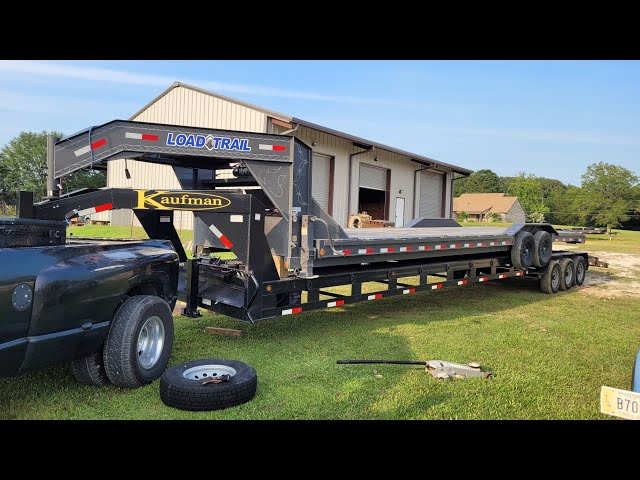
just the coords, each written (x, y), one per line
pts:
(208, 141)
(168, 200)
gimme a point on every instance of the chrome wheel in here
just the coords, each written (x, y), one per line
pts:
(150, 342)
(580, 272)
(206, 371)
(555, 278)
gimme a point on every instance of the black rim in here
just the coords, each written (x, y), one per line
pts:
(526, 254)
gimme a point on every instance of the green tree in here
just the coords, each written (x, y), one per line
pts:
(463, 216)
(529, 190)
(608, 194)
(23, 166)
(482, 181)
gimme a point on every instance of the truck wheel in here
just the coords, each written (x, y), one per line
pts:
(522, 251)
(139, 343)
(580, 267)
(89, 370)
(181, 387)
(550, 281)
(568, 273)
(543, 248)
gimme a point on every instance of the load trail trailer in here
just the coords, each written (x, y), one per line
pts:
(285, 244)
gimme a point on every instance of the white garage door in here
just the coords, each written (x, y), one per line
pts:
(373, 177)
(320, 180)
(430, 194)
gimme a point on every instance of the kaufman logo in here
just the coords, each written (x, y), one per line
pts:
(208, 141)
(167, 200)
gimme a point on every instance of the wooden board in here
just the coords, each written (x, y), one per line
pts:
(230, 332)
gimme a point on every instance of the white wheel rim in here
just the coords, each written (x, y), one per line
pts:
(202, 372)
(150, 342)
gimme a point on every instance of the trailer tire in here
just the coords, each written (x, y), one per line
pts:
(551, 279)
(90, 370)
(543, 248)
(522, 251)
(139, 343)
(568, 273)
(180, 385)
(580, 269)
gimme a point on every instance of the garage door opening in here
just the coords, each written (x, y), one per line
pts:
(373, 202)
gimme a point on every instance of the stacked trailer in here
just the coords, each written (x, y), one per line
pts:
(285, 244)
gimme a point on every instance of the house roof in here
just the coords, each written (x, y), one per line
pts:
(421, 159)
(483, 203)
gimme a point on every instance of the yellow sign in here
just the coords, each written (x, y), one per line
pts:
(179, 200)
(620, 403)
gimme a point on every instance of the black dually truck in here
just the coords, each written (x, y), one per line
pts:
(106, 306)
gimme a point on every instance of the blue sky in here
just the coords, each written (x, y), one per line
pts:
(550, 118)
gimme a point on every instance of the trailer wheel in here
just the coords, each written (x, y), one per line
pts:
(522, 251)
(580, 268)
(89, 370)
(550, 281)
(181, 386)
(543, 248)
(139, 343)
(568, 273)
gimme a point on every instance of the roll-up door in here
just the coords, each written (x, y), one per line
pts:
(430, 194)
(321, 179)
(373, 177)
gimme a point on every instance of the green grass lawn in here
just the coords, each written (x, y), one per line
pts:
(112, 231)
(550, 355)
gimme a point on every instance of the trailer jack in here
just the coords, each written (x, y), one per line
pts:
(436, 368)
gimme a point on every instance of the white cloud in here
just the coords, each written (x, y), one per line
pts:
(95, 74)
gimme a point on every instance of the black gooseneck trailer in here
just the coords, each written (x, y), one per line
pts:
(285, 244)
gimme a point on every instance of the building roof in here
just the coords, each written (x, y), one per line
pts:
(483, 203)
(421, 159)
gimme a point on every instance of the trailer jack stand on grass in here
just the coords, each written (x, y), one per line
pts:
(436, 368)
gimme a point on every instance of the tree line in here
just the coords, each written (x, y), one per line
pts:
(23, 166)
(609, 195)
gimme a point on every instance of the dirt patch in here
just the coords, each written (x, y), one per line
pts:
(622, 278)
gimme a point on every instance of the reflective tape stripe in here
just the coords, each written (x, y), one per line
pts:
(363, 251)
(439, 247)
(221, 236)
(337, 303)
(454, 245)
(291, 311)
(387, 250)
(100, 208)
(346, 251)
(462, 282)
(492, 244)
(424, 247)
(502, 275)
(436, 286)
(97, 144)
(409, 290)
(374, 297)
(483, 279)
(141, 136)
(505, 243)
(276, 148)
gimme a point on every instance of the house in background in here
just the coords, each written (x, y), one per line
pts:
(350, 174)
(479, 205)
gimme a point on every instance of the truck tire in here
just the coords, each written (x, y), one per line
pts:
(89, 370)
(543, 249)
(568, 273)
(580, 269)
(180, 385)
(139, 343)
(522, 251)
(550, 281)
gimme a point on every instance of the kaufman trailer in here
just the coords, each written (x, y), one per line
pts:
(288, 250)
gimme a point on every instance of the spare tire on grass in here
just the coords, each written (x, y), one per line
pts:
(181, 386)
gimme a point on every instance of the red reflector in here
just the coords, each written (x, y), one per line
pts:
(378, 295)
(427, 247)
(412, 290)
(296, 310)
(443, 246)
(370, 250)
(390, 250)
(409, 249)
(339, 302)
(457, 245)
(347, 252)
(279, 148)
(226, 242)
(102, 208)
(439, 285)
(464, 282)
(98, 143)
(148, 136)
(470, 245)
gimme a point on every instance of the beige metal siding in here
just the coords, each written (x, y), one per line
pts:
(180, 106)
